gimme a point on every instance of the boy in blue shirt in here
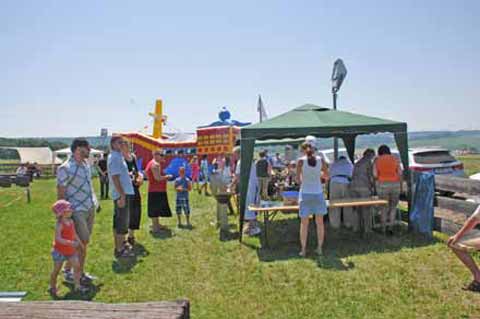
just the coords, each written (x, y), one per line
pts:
(183, 185)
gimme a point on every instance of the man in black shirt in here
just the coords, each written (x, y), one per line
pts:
(103, 176)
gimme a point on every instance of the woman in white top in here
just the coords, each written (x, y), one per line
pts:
(311, 199)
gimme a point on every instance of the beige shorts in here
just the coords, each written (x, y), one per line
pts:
(84, 224)
(469, 243)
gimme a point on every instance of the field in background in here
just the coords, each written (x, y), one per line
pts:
(397, 277)
(471, 164)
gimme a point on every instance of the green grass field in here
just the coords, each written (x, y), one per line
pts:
(471, 163)
(401, 277)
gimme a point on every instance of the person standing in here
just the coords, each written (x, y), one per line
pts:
(135, 205)
(311, 199)
(157, 191)
(122, 194)
(183, 186)
(388, 174)
(340, 176)
(195, 172)
(205, 175)
(74, 184)
(103, 176)
(264, 171)
(363, 186)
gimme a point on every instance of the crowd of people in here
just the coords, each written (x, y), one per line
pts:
(77, 203)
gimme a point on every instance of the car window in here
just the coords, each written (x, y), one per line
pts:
(434, 157)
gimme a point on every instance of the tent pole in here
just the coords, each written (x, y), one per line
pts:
(335, 140)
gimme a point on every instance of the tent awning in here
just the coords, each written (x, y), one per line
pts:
(310, 119)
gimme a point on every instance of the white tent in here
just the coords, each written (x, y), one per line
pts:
(39, 155)
(67, 152)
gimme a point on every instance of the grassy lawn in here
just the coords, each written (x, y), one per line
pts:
(471, 163)
(401, 277)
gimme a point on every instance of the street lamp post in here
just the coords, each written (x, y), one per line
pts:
(338, 75)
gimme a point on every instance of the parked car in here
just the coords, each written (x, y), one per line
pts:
(438, 161)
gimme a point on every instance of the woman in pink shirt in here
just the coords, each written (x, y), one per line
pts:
(195, 172)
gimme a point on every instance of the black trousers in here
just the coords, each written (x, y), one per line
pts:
(103, 187)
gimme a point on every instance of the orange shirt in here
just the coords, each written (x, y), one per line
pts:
(68, 233)
(387, 168)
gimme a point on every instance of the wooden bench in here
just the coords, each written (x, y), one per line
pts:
(269, 213)
(179, 309)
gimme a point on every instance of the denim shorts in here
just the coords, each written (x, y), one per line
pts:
(58, 257)
(312, 204)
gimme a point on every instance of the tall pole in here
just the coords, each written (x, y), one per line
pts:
(335, 140)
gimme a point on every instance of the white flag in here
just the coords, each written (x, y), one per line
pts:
(261, 109)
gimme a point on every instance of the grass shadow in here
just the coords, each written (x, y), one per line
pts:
(125, 265)
(284, 243)
(225, 236)
(162, 234)
(93, 290)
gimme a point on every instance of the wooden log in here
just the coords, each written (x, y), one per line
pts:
(456, 205)
(179, 309)
(457, 184)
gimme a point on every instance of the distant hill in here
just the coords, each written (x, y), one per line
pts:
(453, 140)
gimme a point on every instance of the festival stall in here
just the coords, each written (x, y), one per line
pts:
(320, 122)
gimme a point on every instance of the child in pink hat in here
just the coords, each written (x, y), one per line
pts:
(65, 246)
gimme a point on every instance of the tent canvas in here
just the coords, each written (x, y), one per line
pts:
(310, 119)
(39, 155)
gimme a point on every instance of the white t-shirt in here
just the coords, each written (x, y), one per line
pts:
(311, 183)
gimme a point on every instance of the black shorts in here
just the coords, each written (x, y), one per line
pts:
(121, 216)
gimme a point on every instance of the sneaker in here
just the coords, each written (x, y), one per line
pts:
(82, 290)
(68, 276)
(131, 241)
(87, 279)
(124, 253)
(254, 231)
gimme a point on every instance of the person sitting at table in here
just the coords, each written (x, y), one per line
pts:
(290, 174)
(311, 199)
(340, 176)
(388, 175)
(363, 186)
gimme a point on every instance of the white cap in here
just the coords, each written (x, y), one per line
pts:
(312, 140)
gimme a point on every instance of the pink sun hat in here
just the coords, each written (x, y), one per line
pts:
(60, 207)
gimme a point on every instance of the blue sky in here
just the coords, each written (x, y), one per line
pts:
(69, 68)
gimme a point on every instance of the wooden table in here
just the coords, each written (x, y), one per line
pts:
(269, 213)
(83, 309)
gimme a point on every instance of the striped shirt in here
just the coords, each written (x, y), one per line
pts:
(77, 180)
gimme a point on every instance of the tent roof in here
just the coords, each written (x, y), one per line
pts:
(39, 155)
(310, 119)
(68, 151)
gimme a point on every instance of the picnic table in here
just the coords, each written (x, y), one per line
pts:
(179, 309)
(269, 213)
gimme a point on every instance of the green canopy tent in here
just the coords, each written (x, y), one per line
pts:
(320, 122)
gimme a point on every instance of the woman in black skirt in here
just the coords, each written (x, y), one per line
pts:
(135, 205)
(157, 191)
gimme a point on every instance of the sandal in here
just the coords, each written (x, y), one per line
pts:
(473, 286)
